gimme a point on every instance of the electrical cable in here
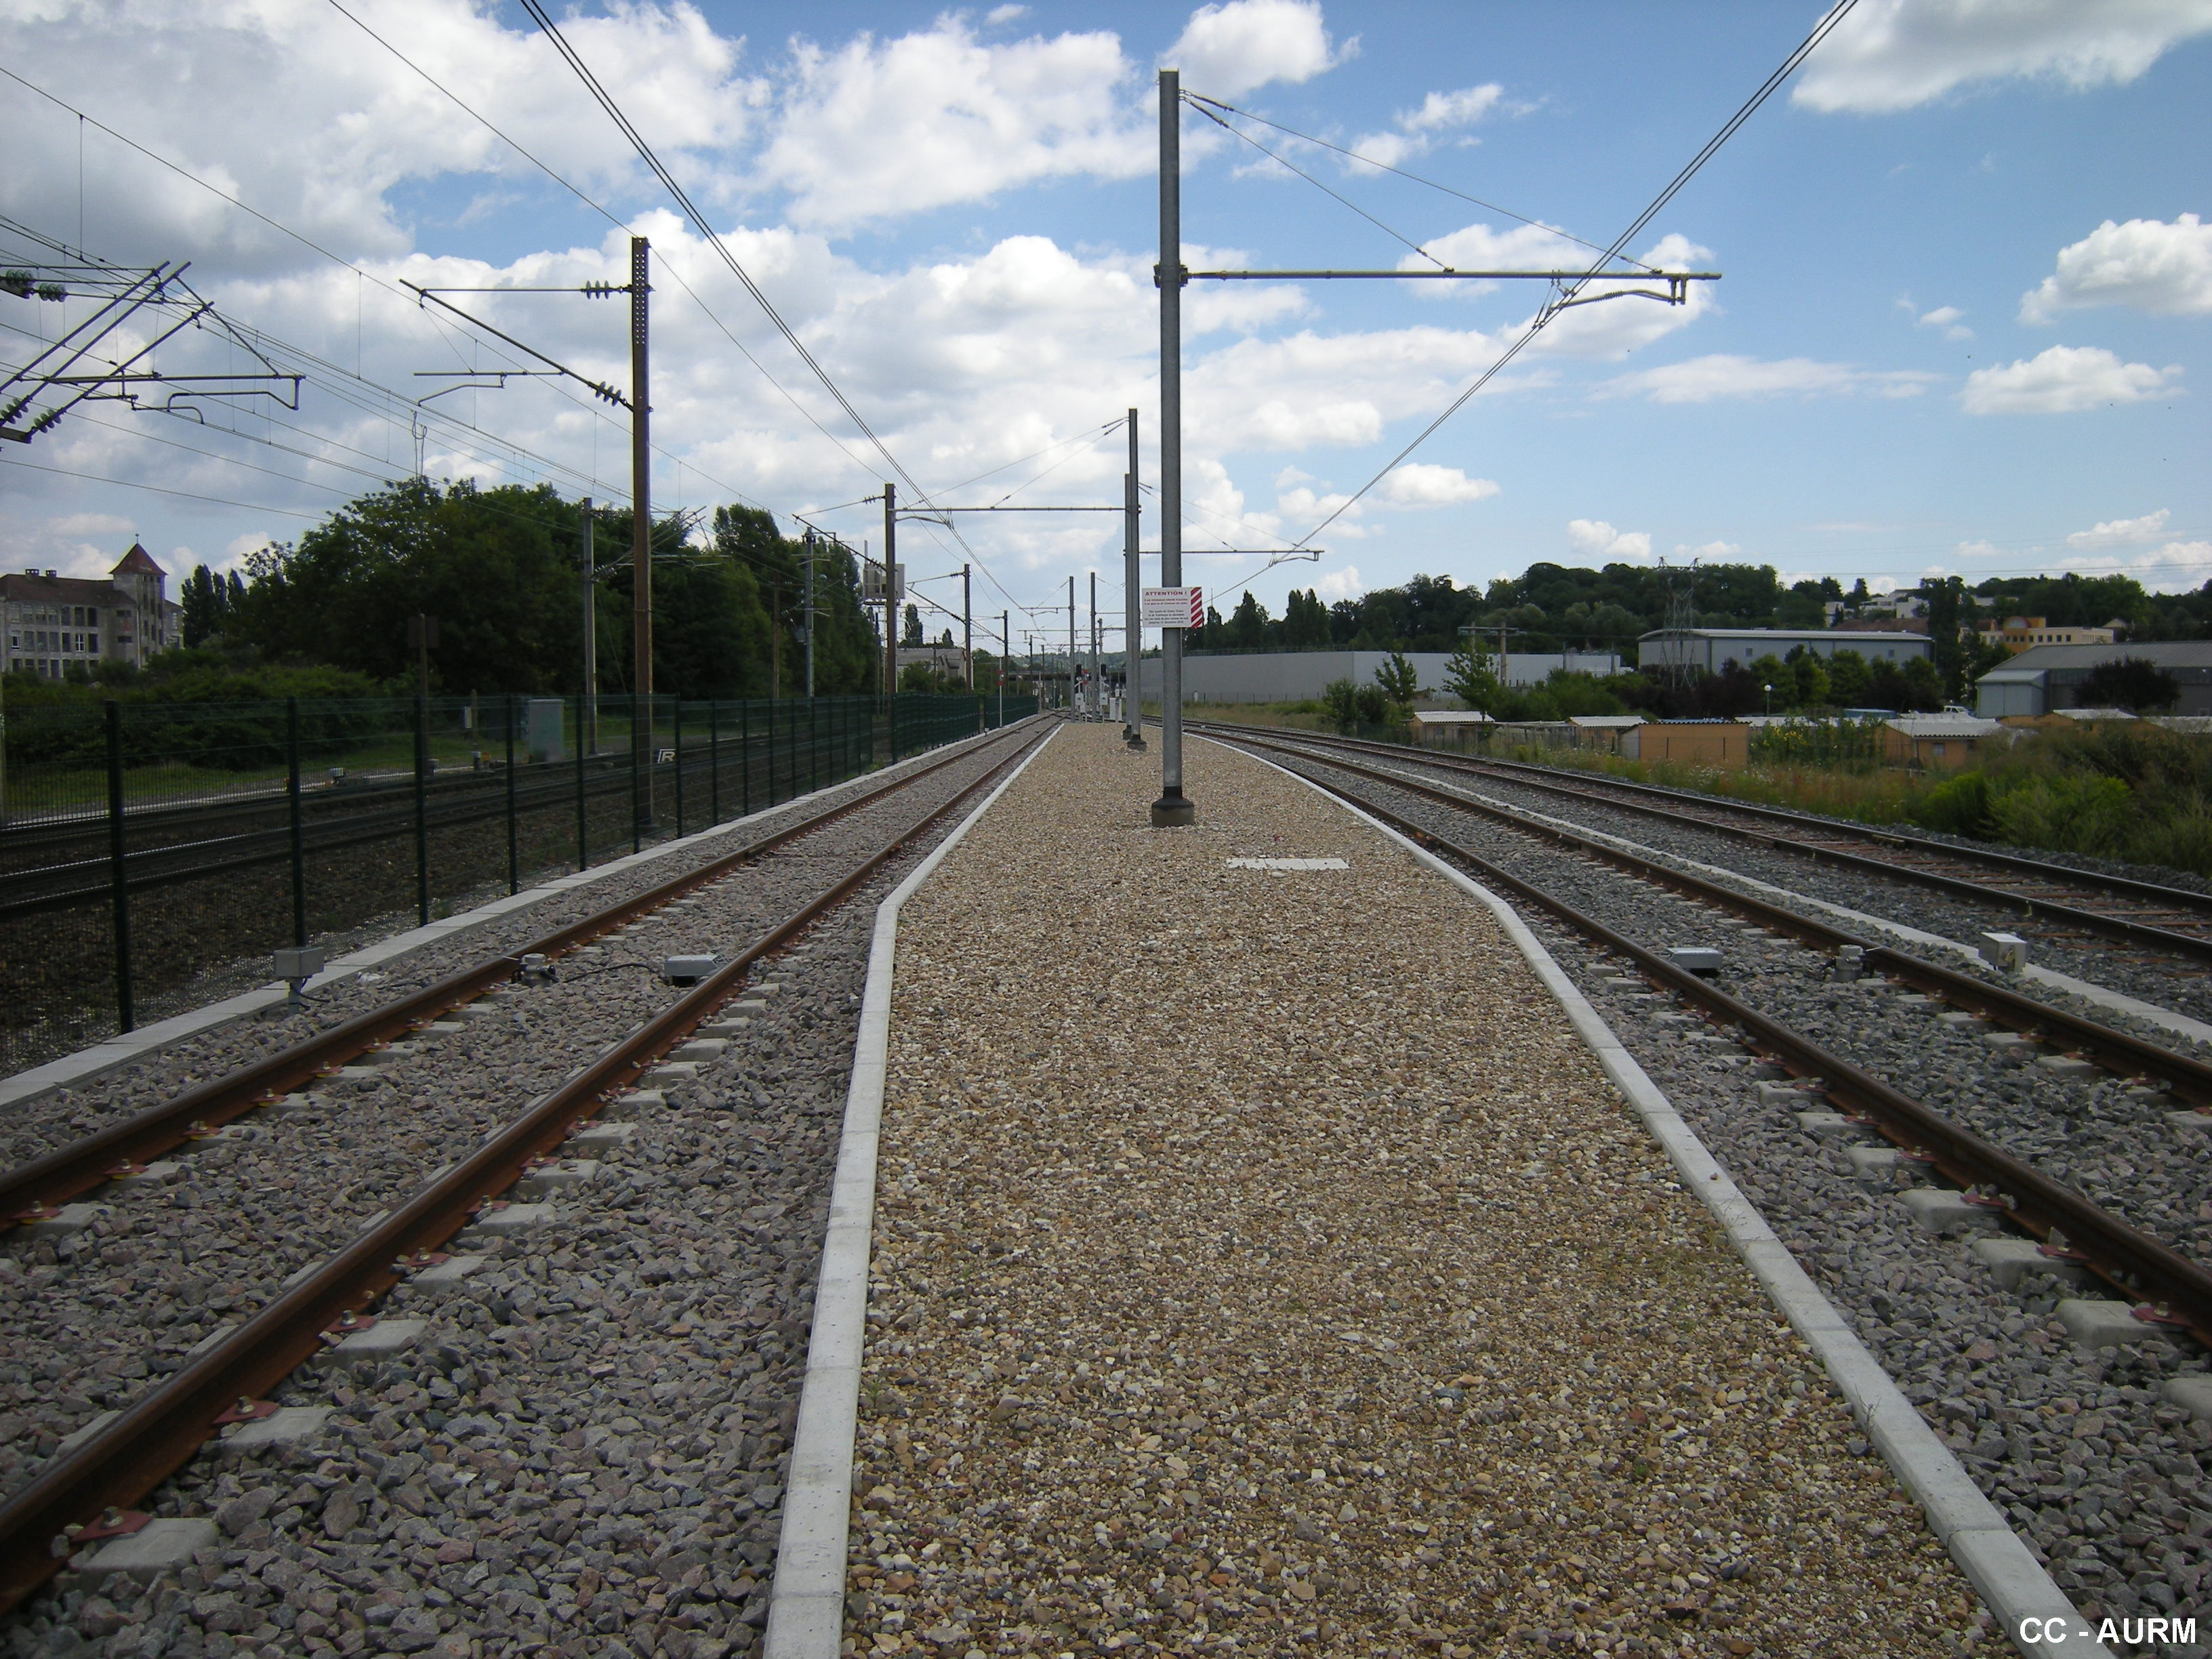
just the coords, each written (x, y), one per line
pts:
(683, 199)
(1317, 184)
(1750, 106)
(1197, 98)
(159, 489)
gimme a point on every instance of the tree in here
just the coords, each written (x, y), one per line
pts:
(1847, 679)
(1399, 680)
(910, 635)
(205, 601)
(1306, 623)
(1949, 605)
(2134, 684)
(1469, 678)
(1248, 627)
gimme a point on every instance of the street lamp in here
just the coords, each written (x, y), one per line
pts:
(1770, 698)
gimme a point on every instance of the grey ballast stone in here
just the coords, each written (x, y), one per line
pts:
(290, 1425)
(2068, 1065)
(1914, 999)
(1828, 1126)
(1959, 1016)
(381, 1341)
(668, 1072)
(2106, 1324)
(2192, 1393)
(2010, 1260)
(167, 1545)
(1939, 1209)
(725, 1028)
(635, 1104)
(700, 1048)
(1782, 1094)
(2191, 1122)
(2010, 1042)
(751, 1007)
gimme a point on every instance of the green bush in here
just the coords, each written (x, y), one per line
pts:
(2070, 814)
(1960, 807)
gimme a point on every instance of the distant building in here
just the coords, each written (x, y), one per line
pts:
(1296, 675)
(1940, 742)
(2047, 679)
(2018, 633)
(942, 659)
(1711, 649)
(50, 623)
(1725, 743)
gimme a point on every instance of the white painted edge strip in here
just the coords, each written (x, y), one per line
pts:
(806, 1603)
(117, 1051)
(2087, 990)
(2012, 1584)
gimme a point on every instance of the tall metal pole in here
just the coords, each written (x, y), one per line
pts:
(119, 890)
(640, 530)
(1005, 658)
(1098, 684)
(588, 710)
(1071, 646)
(1133, 637)
(1173, 807)
(810, 617)
(891, 600)
(294, 812)
(967, 627)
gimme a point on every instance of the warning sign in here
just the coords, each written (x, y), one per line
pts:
(1173, 607)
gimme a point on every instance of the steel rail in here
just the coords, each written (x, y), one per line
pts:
(2119, 1051)
(157, 1433)
(30, 1189)
(2111, 927)
(2128, 1258)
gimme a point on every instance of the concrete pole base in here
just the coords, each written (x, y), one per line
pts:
(1135, 740)
(1173, 812)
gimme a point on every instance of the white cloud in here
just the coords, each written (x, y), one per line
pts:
(1227, 50)
(2062, 380)
(1725, 374)
(1594, 538)
(884, 127)
(1417, 130)
(2122, 533)
(1343, 584)
(1005, 14)
(1891, 55)
(1946, 319)
(1419, 483)
(2164, 269)
(1709, 549)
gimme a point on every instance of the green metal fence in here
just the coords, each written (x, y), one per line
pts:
(152, 855)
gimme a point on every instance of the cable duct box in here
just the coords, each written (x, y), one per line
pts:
(687, 970)
(1698, 958)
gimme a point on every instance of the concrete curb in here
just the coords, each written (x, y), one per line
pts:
(2012, 1585)
(806, 1603)
(117, 1051)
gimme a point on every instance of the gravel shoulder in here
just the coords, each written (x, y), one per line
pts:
(1263, 1264)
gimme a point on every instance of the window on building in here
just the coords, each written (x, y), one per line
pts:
(92, 644)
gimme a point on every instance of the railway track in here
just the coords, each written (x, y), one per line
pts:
(124, 1457)
(2173, 1290)
(2063, 904)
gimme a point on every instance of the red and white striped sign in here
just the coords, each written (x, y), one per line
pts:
(1172, 607)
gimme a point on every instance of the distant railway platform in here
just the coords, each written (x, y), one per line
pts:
(1264, 1262)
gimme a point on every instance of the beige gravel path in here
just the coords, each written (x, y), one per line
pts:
(1262, 1266)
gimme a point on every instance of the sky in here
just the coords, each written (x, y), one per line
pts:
(1961, 323)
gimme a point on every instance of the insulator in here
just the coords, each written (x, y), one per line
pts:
(17, 283)
(52, 291)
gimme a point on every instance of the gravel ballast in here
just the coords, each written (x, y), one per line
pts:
(1263, 1265)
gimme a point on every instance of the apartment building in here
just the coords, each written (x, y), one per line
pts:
(50, 623)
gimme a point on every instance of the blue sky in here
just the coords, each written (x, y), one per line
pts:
(1962, 324)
